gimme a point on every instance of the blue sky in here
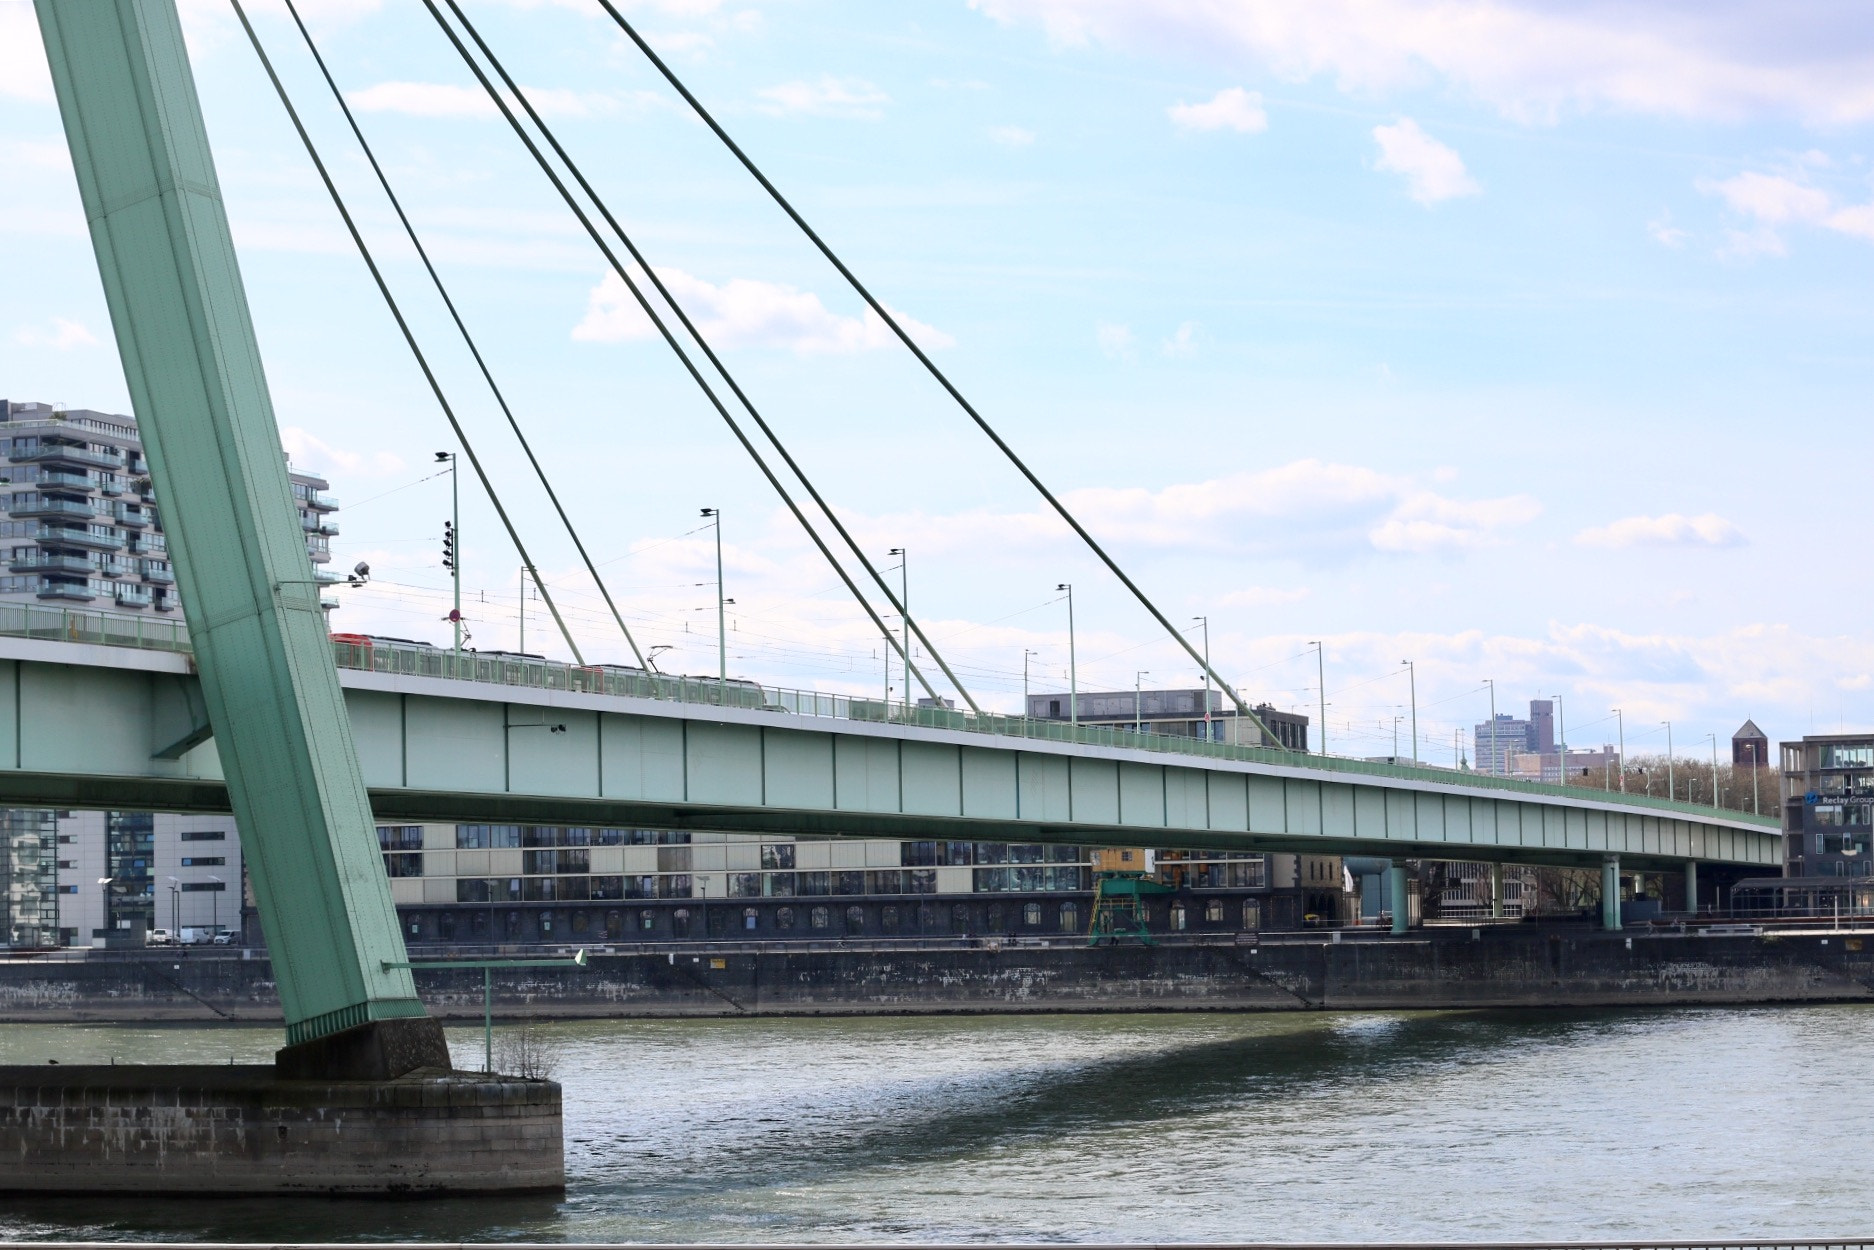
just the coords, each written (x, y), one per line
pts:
(1525, 341)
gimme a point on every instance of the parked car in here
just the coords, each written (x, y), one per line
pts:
(225, 939)
(158, 937)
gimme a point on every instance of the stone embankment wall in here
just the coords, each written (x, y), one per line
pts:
(239, 1130)
(1494, 968)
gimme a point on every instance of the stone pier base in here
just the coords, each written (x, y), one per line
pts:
(243, 1130)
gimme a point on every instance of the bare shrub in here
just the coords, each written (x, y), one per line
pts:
(524, 1050)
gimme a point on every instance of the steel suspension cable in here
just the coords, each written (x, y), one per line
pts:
(409, 338)
(709, 353)
(467, 338)
(663, 329)
(930, 365)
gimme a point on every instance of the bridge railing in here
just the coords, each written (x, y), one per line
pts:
(26, 620)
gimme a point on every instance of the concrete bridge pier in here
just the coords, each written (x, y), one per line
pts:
(1610, 893)
(1691, 887)
(1496, 891)
(1396, 880)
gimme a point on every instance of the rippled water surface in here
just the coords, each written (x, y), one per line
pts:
(1419, 1126)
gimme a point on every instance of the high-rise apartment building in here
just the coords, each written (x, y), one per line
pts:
(83, 529)
(82, 525)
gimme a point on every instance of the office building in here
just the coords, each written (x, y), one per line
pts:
(1828, 805)
(1493, 743)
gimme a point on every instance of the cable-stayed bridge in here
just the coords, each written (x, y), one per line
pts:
(256, 716)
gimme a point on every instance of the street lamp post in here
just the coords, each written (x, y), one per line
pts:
(214, 909)
(1714, 769)
(1205, 622)
(1561, 742)
(1495, 768)
(488, 966)
(1320, 677)
(175, 910)
(1670, 792)
(722, 611)
(1026, 653)
(1138, 700)
(1621, 724)
(1412, 671)
(1755, 808)
(1073, 662)
(1395, 736)
(452, 545)
(904, 601)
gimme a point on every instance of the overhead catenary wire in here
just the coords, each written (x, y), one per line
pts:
(467, 338)
(709, 352)
(930, 365)
(408, 336)
(669, 338)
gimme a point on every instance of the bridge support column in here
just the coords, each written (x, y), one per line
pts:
(1691, 887)
(1396, 883)
(1610, 892)
(153, 203)
(1496, 891)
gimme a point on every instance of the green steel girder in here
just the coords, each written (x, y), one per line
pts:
(186, 339)
(97, 717)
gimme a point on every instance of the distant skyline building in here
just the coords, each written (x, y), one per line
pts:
(1177, 712)
(1750, 747)
(1493, 744)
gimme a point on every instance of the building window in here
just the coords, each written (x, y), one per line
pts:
(749, 919)
(777, 855)
(647, 919)
(195, 861)
(1070, 918)
(960, 917)
(1252, 914)
(855, 919)
(204, 835)
(680, 922)
(203, 887)
(1213, 911)
(821, 918)
(784, 917)
(744, 885)
(1031, 915)
(888, 919)
(1177, 918)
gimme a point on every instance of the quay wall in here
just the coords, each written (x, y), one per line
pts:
(1444, 969)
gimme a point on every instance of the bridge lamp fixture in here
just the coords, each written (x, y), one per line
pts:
(722, 611)
(904, 615)
(1412, 672)
(452, 543)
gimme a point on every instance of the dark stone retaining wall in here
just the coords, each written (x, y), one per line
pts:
(1513, 967)
(238, 1130)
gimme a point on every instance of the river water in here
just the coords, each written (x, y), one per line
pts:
(1319, 1126)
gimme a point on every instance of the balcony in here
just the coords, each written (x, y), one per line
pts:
(80, 591)
(71, 453)
(74, 536)
(136, 518)
(52, 562)
(31, 503)
(322, 503)
(159, 575)
(65, 479)
(132, 597)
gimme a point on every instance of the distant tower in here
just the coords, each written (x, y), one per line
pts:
(1542, 726)
(1749, 747)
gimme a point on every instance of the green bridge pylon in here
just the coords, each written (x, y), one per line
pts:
(180, 315)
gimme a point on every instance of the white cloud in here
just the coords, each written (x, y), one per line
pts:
(435, 99)
(1773, 200)
(830, 97)
(745, 312)
(1114, 340)
(1011, 136)
(1262, 597)
(1182, 344)
(1663, 232)
(63, 336)
(310, 451)
(1433, 172)
(1230, 109)
(1529, 59)
(1672, 530)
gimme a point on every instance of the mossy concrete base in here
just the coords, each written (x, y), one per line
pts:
(243, 1130)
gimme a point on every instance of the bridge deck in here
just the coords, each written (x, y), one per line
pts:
(496, 740)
